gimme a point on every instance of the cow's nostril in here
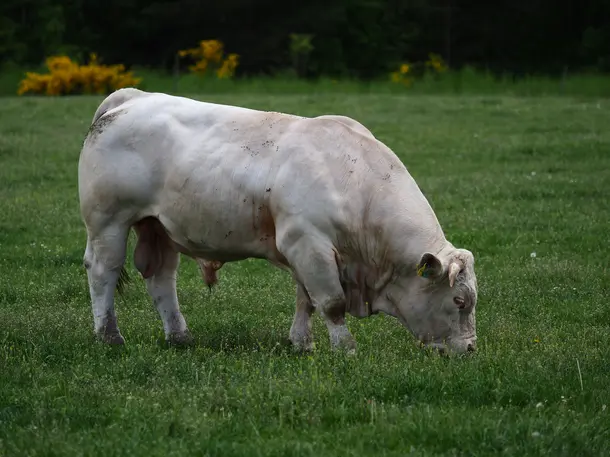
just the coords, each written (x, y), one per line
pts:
(471, 347)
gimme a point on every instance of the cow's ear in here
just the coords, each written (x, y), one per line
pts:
(430, 266)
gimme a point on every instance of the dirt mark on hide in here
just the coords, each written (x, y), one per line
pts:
(263, 224)
(100, 125)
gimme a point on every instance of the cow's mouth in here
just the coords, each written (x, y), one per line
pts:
(465, 347)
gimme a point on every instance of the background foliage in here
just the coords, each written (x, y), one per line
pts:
(351, 38)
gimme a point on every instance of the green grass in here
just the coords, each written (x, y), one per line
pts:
(466, 81)
(506, 176)
(463, 82)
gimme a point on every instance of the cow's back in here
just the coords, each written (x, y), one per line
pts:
(220, 178)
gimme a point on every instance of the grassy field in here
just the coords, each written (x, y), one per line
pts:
(522, 182)
(466, 81)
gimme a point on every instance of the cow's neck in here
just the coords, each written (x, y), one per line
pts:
(399, 231)
(398, 226)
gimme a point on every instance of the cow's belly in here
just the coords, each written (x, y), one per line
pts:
(236, 229)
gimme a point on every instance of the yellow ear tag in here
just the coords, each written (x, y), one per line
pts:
(421, 271)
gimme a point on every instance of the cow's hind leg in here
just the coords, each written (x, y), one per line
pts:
(104, 258)
(313, 259)
(300, 331)
(157, 261)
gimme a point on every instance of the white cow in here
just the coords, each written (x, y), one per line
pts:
(319, 197)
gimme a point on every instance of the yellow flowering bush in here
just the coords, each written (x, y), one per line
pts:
(404, 74)
(209, 55)
(436, 63)
(67, 77)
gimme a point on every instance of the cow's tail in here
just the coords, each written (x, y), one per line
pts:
(117, 98)
(123, 281)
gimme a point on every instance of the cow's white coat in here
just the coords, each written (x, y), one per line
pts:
(319, 197)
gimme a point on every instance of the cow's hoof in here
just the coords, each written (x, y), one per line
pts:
(347, 347)
(301, 342)
(114, 338)
(180, 339)
(341, 340)
(303, 346)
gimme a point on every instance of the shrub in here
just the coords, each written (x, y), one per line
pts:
(67, 77)
(401, 76)
(209, 56)
(300, 49)
(436, 63)
(407, 73)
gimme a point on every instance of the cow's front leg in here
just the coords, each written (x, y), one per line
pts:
(103, 260)
(333, 312)
(314, 263)
(300, 331)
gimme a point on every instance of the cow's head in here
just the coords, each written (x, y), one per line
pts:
(436, 300)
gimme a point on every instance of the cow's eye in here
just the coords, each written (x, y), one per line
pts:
(459, 302)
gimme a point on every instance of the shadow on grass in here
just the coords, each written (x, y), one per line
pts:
(234, 337)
